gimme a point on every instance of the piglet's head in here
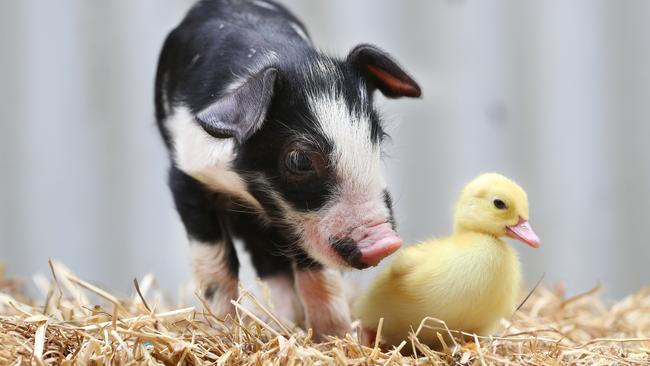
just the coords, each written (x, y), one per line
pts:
(308, 147)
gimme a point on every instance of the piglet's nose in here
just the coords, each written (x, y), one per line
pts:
(364, 231)
(367, 245)
(379, 242)
(368, 235)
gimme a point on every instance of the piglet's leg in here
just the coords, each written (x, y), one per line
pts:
(214, 260)
(271, 265)
(214, 275)
(283, 297)
(326, 308)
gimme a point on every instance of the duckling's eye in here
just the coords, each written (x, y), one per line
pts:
(500, 204)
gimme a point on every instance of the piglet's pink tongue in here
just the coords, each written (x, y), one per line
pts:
(380, 242)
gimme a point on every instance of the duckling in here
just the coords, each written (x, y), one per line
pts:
(469, 279)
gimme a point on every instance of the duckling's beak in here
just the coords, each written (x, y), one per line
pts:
(523, 232)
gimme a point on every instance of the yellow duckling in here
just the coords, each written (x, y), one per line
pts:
(469, 279)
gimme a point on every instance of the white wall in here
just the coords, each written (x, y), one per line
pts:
(554, 94)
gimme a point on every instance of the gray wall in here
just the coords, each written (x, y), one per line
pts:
(554, 94)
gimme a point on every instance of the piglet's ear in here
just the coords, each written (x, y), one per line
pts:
(241, 112)
(383, 72)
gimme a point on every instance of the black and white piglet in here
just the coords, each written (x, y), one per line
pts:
(279, 145)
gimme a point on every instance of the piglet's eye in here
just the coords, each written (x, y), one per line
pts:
(302, 161)
(500, 204)
(299, 163)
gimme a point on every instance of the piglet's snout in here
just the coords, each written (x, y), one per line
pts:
(375, 242)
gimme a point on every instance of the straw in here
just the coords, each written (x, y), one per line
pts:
(65, 327)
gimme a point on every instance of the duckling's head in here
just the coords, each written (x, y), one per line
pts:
(495, 205)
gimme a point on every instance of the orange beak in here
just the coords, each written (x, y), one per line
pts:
(523, 232)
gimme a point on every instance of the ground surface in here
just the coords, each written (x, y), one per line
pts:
(78, 323)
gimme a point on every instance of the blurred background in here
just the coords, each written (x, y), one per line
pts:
(554, 94)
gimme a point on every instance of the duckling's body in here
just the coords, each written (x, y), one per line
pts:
(417, 285)
(469, 279)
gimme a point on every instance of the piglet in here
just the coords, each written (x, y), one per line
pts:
(276, 144)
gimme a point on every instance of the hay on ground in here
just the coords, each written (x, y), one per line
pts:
(78, 323)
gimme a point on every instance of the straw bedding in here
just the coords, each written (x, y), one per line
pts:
(78, 323)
